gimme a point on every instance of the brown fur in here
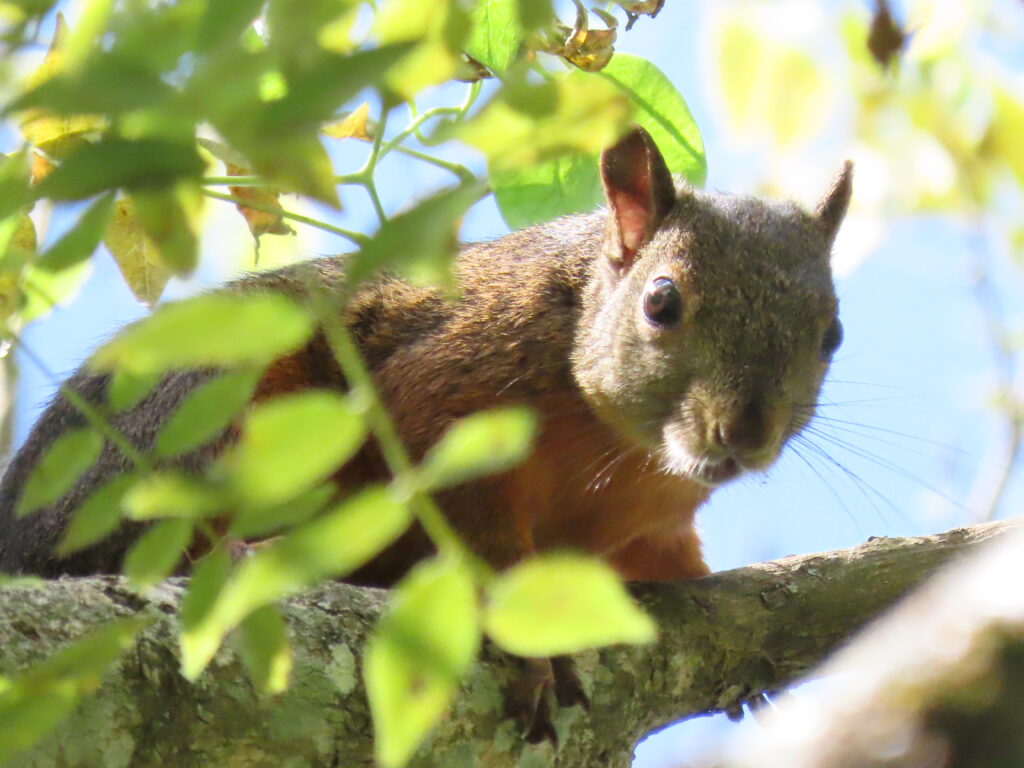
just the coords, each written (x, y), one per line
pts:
(549, 317)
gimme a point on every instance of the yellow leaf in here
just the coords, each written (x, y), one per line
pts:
(41, 166)
(352, 126)
(21, 246)
(137, 257)
(56, 135)
(260, 222)
(759, 74)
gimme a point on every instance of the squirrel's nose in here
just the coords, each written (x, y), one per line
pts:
(744, 431)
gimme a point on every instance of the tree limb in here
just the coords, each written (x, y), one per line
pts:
(724, 639)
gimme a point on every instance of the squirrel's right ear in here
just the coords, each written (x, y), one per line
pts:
(831, 209)
(640, 192)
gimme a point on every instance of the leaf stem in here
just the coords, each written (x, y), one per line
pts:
(461, 171)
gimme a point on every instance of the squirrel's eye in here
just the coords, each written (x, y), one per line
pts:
(662, 303)
(832, 339)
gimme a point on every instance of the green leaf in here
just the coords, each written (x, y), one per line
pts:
(420, 242)
(81, 240)
(496, 34)
(255, 522)
(108, 83)
(206, 412)
(417, 655)
(60, 466)
(531, 193)
(47, 290)
(564, 603)
(171, 493)
(170, 218)
(137, 257)
(157, 552)
(208, 577)
(126, 389)
(481, 444)
(224, 23)
(96, 517)
(14, 182)
(113, 162)
(34, 702)
(327, 547)
(439, 29)
(218, 329)
(291, 443)
(265, 650)
(566, 185)
(661, 109)
(757, 74)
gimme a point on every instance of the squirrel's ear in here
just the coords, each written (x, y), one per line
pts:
(639, 190)
(832, 207)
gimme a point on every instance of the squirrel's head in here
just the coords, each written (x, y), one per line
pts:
(711, 320)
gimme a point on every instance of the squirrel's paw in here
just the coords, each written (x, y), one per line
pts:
(533, 698)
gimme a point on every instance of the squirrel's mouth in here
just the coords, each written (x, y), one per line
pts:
(706, 470)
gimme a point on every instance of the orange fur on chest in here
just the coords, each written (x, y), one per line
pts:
(585, 488)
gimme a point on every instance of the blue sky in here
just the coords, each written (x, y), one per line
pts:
(907, 392)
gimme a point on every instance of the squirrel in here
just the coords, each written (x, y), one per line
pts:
(668, 343)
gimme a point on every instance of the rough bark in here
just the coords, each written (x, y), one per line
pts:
(724, 639)
(937, 683)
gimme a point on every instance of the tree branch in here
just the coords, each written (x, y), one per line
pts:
(724, 639)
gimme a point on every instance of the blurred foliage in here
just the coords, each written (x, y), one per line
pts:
(123, 123)
(928, 98)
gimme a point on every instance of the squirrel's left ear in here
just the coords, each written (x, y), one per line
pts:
(831, 209)
(640, 192)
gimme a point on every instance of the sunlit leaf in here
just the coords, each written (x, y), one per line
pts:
(208, 576)
(114, 162)
(137, 257)
(565, 185)
(265, 651)
(352, 126)
(481, 444)
(216, 329)
(292, 442)
(206, 412)
(60, 466)
(171, 493)
(1006, 129)
(126, 389)
(564, 603)
(264, 520)
(96, 517)
(661, 109)
(417, 655)
(81, 240)
(56, 134)
(419, 242)
(496, 34)
(45, 290)
(529, 123)
(14, 182)
(439, 31)
(327, 547)
(758, 74)
(570, 183)
(157, 552)
(170, 218)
